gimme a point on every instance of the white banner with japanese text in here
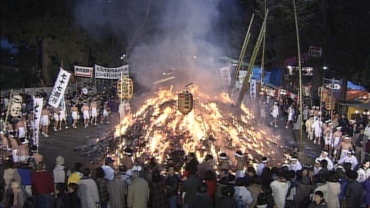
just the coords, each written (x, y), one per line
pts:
(59, 88)
(102, 72)
(253, 89)
(37, 108)
(81, 71)
(225, 76)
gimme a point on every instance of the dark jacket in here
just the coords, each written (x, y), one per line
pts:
(192, 166)
(62, 201)
(321, 205)
(190, 187)
(102, 184)
(201, 200)
(157, 195)
(226, 202)
(74, 200)
(354, 194)
(172, 184)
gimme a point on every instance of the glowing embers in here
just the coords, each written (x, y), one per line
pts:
(213, 126)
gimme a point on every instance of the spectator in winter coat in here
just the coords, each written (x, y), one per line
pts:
(280, 189)
(266, 190)
(202, 198)
(171, 188)
(157, 194)
(189, 188)
(60, 172)
(354, 191)
(42, 186)
(227, 199)
(102, 184)
(72, 196)
(210, 180)
(138, 192)
(62, 199)
(366, 185)
(242, 195)
(117, 191)
(87, 190)
(319, 201)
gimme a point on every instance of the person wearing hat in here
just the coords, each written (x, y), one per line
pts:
(60, 172)
(275, 113)
(127, 158)
(138, 191)
(117, 190)
(318, 200)
(261, 165)
(108, 168)
(75, 177)
(295, 164)
(328, 140)
(317, 166)
(74, 112)
(19, 199)
(240, 164)
(349, 158)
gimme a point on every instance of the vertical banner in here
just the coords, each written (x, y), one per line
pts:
(225, 76)
(37, 108)
(16, 106)
(253, 89)
(59, 88)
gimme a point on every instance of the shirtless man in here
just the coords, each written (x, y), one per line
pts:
(309, 128)
(4, 140)
(86, 114)
(14, 144)
(20, 128)
(56, 118)
(337, 135)
(106, 112)
(127, 158)
(23, 150)
(94, 112)
(45, 121)
(62, 118)
(74, 111)
(240, 165)
(345, 146)
(223, 162)
(36, 156)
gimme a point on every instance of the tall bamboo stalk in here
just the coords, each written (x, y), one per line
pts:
(300, 77)
(241, 57)
(251, 63)
(263, 50)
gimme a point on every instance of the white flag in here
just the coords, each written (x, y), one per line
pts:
(59, 88)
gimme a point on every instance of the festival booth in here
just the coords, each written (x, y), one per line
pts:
(357, 102)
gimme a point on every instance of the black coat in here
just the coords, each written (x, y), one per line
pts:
(226, 202)
(202, 200)
(354, 194)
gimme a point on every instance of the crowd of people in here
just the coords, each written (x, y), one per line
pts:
(339, 178)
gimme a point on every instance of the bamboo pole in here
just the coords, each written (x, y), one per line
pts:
(241, 56)
(300, 76)
(251, 63)
(9, 105)
(263, 50)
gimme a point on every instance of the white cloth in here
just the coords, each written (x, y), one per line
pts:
(291, 114)
(94, 112)
(242, 197)
(330, 163)
(275, 111)
(88, 193)
(62, 115)
(74, 115)
(239, 174)
(336, 142)
(317, 126)
(45, 120)
(56, 117)
(297, 166)
(349, 159)
(86, 114)
(329, 139)
(279, 192)
(363, 174)
(15, 155)
(105, 112)
(21, 132)
(109, 172)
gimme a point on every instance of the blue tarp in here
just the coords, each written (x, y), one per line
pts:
(352, 86)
